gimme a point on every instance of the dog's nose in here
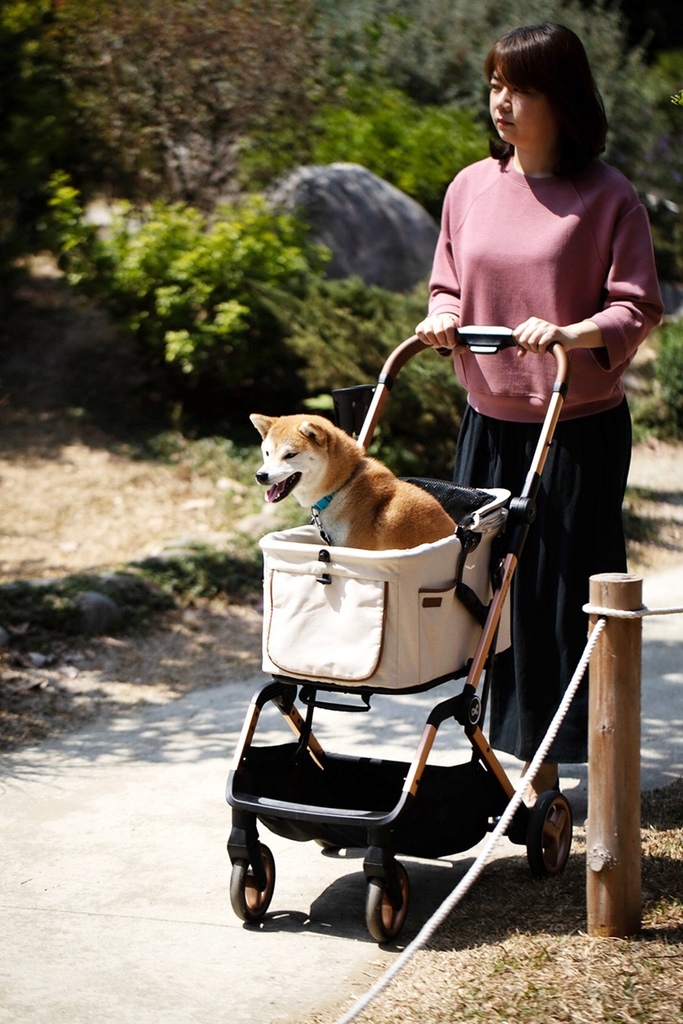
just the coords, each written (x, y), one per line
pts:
(262, 477)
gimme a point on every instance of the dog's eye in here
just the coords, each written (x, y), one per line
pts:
(291, 455)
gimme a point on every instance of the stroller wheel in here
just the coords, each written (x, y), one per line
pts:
(248, 901)
(549, 834)
(385, 921)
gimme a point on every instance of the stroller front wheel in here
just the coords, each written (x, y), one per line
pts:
(549, 834)
(385, 921)
(248, 901)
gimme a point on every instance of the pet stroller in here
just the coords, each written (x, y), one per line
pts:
(343, 624)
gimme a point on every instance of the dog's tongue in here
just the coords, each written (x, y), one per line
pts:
(275, 492)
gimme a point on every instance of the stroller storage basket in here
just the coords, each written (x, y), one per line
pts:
(302, 798)
(379, 620)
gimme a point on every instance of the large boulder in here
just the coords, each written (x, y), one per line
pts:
(373, 230)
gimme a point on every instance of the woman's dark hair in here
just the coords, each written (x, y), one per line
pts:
(551, 59)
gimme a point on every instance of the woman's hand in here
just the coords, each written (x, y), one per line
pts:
(536, 335)
(439, 330)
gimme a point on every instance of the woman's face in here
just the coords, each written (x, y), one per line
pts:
(523, 118)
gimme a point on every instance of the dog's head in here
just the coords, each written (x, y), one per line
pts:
(293, 450)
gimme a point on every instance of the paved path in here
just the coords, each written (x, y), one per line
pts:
(114, 881)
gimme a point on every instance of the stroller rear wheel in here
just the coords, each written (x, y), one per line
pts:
(249, 901)
(549, 834)
(385, 921)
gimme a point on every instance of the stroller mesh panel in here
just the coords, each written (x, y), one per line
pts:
(458, 501)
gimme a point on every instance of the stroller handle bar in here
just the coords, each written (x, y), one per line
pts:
(483, 341)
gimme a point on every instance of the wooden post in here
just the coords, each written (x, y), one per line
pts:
(613, 881)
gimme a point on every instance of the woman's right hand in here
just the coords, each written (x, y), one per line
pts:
(440, 330)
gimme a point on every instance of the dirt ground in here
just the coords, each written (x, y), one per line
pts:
(75, 496)
(71, 499)
(77, 506)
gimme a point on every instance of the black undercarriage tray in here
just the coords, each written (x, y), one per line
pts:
(450, 813)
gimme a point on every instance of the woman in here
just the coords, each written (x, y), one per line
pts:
(546, 239)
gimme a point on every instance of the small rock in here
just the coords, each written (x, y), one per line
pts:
(99, 613)
(38, 660)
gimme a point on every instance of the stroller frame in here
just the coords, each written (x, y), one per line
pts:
(288, 788)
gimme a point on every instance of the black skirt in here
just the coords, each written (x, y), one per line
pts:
(578, 532)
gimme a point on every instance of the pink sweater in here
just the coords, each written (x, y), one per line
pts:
(512, 247)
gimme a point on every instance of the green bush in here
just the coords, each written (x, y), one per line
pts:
(205, 298)
(239, 314)
(33, 127)
(53, 606)
(670, 374)
(202, 572)
(345, 333)
(419, 149)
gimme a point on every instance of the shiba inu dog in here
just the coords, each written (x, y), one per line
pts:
(355, 501)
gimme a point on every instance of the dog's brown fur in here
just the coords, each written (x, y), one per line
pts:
(371, 508)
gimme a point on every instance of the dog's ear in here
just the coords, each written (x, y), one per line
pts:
(262, 423)
(314, 432)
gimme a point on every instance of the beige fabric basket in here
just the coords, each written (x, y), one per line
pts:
(387, 620)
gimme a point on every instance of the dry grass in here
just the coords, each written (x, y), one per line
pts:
(516, 951)
(92, 678)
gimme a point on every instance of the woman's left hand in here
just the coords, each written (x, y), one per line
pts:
(536, 335)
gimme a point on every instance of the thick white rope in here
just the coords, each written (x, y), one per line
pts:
(637, 613)
(468, 880)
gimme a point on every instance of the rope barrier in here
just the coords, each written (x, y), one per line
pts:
(635, 613)
(470, 877)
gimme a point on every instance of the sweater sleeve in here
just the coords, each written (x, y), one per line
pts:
(632, 303)
(444, 285)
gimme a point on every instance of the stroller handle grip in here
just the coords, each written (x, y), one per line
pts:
(483, 340)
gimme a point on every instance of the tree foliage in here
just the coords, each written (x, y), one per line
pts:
(168, 88)
(33, 133)
(659, 25)
(197, 100)
(670, 376)
(434, 50)
(179, 105)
